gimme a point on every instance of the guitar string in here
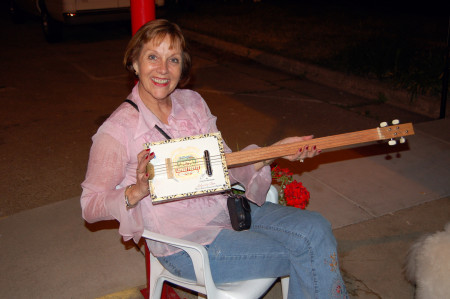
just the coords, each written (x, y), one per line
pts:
(198, 160)
(161, 168)
(176, 170)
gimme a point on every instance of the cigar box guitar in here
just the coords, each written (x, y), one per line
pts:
(197, 165)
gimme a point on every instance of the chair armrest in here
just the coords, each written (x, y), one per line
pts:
(196, 252)
(272, 194)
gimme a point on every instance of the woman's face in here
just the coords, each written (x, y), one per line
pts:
(159, 70)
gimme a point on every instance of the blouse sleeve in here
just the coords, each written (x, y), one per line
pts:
(256, 183)
(103, 197)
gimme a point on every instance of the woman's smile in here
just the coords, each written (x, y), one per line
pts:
(160, 82)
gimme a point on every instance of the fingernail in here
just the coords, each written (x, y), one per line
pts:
(314, 148)
(306, 147)
(148, 150)
(152, 154)
(301, 149)
(146, 174)
(146, 156)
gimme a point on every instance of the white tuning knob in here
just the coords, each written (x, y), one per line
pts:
(392, 142)
(402, 140)
(383, 124)
(395, 122)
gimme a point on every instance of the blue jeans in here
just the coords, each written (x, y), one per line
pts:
(283, 241)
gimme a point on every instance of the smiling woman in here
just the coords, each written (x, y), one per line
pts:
(282, 241)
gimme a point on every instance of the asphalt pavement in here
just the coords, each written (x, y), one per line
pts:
(378, 198)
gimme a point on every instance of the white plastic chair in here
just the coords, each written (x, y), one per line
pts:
(204, 283)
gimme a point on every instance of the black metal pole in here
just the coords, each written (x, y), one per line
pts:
(445, 77)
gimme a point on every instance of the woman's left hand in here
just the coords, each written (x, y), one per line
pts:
(307, 151)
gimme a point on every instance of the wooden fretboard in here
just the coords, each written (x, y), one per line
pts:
(276, 151)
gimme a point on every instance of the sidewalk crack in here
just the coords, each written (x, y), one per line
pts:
(342, 195)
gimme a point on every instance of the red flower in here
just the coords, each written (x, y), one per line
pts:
(296, 195)
(292, 192)
(277, 171)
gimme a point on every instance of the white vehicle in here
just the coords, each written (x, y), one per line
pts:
(55, 13)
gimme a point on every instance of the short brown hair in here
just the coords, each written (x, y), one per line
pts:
(156, 31)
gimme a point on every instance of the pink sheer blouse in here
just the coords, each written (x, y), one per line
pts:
(112, 167)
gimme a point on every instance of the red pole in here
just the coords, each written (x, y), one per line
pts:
(142, 11)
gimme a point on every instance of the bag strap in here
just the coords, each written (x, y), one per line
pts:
(162, 132)
(132, 104)
(156, 126)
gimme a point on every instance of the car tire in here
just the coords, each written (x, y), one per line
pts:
(52, 29)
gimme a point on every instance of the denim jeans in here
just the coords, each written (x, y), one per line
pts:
(282, 241)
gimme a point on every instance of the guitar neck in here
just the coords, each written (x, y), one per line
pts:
(276, 151)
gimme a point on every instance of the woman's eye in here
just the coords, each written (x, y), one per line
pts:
(152, 57)
(175, 60)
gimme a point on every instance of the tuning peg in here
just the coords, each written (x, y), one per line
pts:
(392, 142)
(395, 122)
(402, 140)
(383, 124)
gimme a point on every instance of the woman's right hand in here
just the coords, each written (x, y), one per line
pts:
(140, 190)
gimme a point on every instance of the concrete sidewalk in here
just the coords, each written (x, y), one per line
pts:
(49, 252)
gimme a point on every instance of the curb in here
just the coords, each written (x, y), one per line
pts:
(132, 293)
(371, 89)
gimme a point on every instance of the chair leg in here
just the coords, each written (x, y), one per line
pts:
(146, 292)
(167, 292)
(285, 286)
